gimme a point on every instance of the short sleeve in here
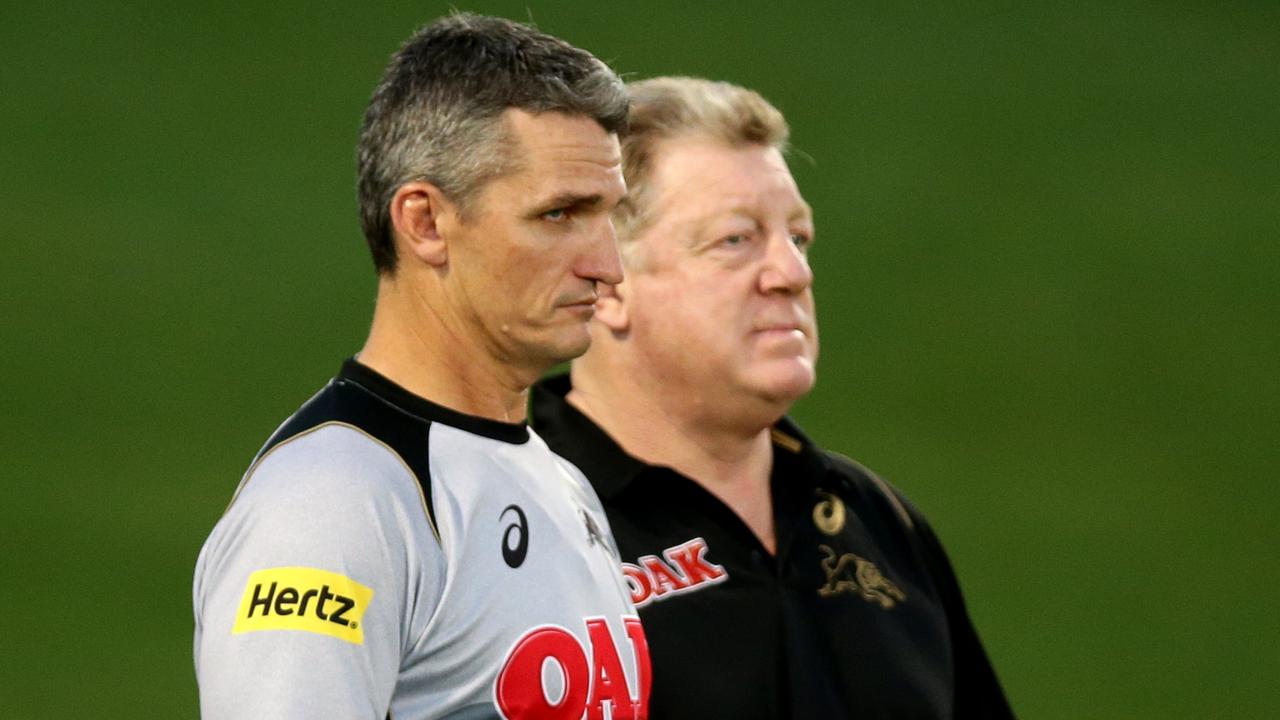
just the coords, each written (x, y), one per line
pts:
(310, 586)
(978, 693)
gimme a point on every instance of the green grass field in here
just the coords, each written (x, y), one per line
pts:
(1048, 268)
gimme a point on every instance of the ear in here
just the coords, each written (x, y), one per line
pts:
(418, 212)
(611, 306)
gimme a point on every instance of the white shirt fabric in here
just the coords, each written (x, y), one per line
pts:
(388, 557)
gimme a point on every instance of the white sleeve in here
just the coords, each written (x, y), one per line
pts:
(312, 585)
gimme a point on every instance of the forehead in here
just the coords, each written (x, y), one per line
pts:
(573, 153)
(698, 180)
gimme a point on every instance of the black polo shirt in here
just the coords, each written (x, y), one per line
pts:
(859, 614)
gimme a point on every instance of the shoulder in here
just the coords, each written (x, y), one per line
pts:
(328, 538)
(343, 444)
(332, 500)
(870, 491)
(329, 465)
(332, 492)
(868, 487)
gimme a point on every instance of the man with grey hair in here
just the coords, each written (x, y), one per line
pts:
(403, 545)
(774, 579)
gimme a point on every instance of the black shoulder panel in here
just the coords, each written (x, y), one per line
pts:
(343, 401)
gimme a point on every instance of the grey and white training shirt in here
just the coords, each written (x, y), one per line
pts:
(385, 556)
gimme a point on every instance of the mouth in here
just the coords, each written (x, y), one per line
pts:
(789, 336)
(782, 320)
(780, 328)
(792, 337)
(585, 307)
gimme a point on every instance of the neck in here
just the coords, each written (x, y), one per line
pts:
(418, 347)
(730, 457)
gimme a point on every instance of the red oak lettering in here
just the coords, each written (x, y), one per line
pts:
(590, 681)
(689, 557)
(519, 690)
(665, 579)
(637, 582)
(640, 646)
(685, 569)
(609, 683)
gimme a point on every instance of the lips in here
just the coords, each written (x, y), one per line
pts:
(588, 297)
(784, 326)
(585, 308)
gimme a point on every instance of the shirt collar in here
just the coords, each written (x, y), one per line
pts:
(356, 373)
(794, 449)
(577, 438)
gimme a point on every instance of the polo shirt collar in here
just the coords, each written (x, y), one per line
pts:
(577, 438)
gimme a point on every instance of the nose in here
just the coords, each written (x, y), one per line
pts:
(601, 262)
(786, 267)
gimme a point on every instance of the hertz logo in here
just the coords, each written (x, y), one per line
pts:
(306, 599)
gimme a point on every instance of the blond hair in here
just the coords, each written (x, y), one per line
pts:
(668, 108)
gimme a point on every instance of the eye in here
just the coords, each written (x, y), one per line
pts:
(801, 240)
(557, 215)
(732, 240)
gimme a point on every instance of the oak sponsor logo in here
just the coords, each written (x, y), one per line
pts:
(551, 674)
(681, 569)
(306, 599)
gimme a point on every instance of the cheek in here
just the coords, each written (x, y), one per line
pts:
(664, 317)
(535, 277)
(707, 327)
(517, 255)
(693, 312)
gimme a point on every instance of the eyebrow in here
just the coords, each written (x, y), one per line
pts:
(571, 201)
(804, 212)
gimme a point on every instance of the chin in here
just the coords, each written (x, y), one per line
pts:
(786, 382)
(568, 346)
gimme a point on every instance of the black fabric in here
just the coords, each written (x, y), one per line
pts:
(360, 397)
(353, 372)
(765, 643)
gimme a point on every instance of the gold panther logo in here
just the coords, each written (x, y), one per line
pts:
(865, 580)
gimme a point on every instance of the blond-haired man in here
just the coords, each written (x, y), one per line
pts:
(774, 579)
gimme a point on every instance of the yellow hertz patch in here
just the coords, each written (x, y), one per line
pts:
(307, 599)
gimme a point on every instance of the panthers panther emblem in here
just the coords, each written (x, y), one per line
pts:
(863, 579)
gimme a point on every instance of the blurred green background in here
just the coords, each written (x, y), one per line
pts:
(1048, 270)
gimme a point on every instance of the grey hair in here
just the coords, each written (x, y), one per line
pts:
(437, 114)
